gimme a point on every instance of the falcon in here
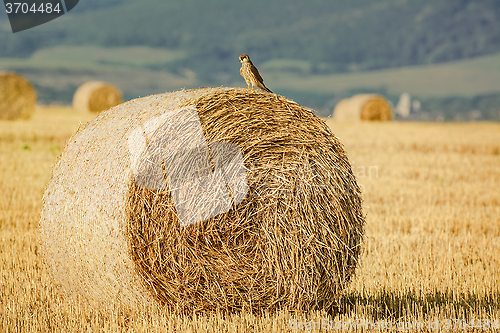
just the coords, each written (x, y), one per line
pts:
(251, 74)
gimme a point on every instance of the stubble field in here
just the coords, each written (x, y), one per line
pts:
(431, 254)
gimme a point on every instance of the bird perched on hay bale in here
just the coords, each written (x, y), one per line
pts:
(17, 97)
(368, 107)
(96, 96)
(214, 199)
(251, 74)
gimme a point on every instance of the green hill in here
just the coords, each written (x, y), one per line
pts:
(315, 51)
(332, 36)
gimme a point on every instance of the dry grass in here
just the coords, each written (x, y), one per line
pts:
(96, 96)
(113, 229)
(292, 243)
(17, 97)
(365, 107)
(431, 253)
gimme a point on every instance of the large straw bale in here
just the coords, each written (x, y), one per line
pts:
(207, 199)
(96, 96)
(368, 107)
(17, 97)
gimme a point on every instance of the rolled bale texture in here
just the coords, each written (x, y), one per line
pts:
(206, 199)
(17, 97)
(368, 107)
(96, 96)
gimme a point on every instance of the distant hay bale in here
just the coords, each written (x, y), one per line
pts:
(368, 107)
(17, 97)
(96, 96)
(206, 199)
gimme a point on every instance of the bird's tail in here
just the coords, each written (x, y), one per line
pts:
(266, 88)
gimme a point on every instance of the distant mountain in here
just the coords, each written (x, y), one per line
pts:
(331, 36)
(315, 52)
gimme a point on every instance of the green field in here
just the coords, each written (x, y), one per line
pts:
(465, 78)
(134, 70)
(93, 57)
(58, 71)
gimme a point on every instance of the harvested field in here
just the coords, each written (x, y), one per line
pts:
(430, 253)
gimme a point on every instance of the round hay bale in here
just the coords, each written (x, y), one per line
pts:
(17, 97)
(368, 107)
(96, 96)
(206, 199)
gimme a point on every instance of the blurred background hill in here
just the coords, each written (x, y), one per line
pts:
(445, 54)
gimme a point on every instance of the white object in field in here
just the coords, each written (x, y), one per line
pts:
(403, 107)
(416, 106)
